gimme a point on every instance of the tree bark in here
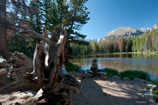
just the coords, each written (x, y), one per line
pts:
(3, 37)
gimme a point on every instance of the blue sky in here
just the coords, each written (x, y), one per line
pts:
(107, 15)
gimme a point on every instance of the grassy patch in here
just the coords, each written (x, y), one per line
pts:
(72, 67)
(155, 93)
(115, 53)
(152, 53)
(135, 74)
(108, 61)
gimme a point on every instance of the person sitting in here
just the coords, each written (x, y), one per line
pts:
(94, 66)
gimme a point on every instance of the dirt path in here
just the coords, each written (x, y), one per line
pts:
(97, 92)
(110, 92)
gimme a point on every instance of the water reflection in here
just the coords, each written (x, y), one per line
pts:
(121, 62)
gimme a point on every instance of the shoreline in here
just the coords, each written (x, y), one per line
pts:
(147, 53)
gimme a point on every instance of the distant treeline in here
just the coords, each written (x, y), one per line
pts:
(147, 42)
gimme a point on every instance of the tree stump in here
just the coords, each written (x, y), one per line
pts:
(48, 59)
(56, 86)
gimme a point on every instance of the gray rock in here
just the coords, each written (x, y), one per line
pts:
(149, 97)
(152, 86)
(117, 77)
(3, 71)
(137, 79)
(126, 79)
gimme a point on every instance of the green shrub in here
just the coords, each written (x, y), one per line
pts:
(129, 74)
(135, 74)
(110, 72)
(72, 67)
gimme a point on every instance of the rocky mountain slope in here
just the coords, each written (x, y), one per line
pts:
(145, 29)
(126, 32)
(155, 26)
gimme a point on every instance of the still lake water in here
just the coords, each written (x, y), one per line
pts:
(121, 62)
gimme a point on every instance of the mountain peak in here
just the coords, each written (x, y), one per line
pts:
(125, 31)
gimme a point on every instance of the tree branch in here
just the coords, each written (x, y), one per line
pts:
(38, 35)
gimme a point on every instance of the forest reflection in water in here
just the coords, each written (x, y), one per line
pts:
(121, 62)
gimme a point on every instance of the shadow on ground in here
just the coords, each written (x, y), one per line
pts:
(110, 92)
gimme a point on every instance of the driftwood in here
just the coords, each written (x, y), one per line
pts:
(18, 75)
(20, 63)
(48, 60)
(78, 76)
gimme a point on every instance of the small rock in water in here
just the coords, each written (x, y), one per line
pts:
(126, 79)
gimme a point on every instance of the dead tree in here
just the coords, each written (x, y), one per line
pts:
(47, 61)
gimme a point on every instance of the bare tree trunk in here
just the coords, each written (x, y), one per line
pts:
(3, 37)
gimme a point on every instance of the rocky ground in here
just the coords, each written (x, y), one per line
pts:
(111, 91)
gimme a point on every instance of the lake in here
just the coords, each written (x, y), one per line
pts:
(121, 62)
